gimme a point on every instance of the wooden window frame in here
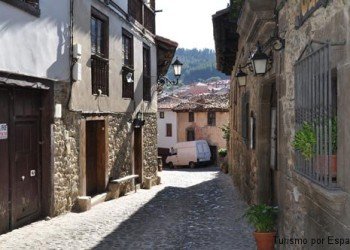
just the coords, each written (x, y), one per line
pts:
(100, 59)
(128, 88)
(30, 8)
(188, 131)
(147, 80)
(161, 115)
(190, 116)
(211, 120)
(169, 130)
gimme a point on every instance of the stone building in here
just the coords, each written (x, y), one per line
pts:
(201, 118)
(305, 85)
(80, 79)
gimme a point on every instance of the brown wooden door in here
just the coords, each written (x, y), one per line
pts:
(4, 162)
(138, 159)
(25, 153)
(95, 157)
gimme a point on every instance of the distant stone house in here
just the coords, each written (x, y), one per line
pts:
(78, 94)
(306, 85)
(201, 118)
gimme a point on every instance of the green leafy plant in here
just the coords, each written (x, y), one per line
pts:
(226, 132)
(305, 140)
(262, 217)
(222, 152)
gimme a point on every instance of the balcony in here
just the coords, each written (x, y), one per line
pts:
(143, 14)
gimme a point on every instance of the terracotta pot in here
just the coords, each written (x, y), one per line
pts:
(320, 164)
(265, 241)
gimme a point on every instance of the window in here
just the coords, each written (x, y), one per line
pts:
(30, 6)
(128, 64)
(99, 53)
(161, 115)
(316, 115)
(169, 130)
(191, 116)
(211, 118)
(245, 117)
(147, 95)
(190, 134)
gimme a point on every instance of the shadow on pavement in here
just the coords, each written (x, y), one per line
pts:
(204, 216)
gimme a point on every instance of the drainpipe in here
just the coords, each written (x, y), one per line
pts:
(71, 63)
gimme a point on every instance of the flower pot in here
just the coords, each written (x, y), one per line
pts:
(265, 241)
(321, 164)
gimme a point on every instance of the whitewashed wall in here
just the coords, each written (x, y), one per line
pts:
(36, 46)
(163, 140)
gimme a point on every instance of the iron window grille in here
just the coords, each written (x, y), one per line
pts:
(99, 53)
(315, 105)
(147, 95)
(128, 64)
(245, 117)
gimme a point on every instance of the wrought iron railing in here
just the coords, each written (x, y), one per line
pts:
(315, 109)
(100, 75)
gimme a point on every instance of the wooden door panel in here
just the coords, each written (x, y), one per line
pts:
(138, 153)
(4, 164)
(26, 174)
(25, 157)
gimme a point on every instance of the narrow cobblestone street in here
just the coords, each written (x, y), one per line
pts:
(192, 209)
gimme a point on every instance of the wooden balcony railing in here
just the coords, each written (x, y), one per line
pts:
(99, 74)
(149, 20)
(143, 14)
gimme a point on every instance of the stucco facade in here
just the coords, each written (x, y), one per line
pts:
(170, 117)
(212, 134)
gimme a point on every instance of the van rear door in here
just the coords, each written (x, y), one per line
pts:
(200, 151)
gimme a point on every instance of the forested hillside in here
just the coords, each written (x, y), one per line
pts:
(199, 66)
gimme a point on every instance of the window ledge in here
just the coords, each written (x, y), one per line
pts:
(35, 11)
(331, 200)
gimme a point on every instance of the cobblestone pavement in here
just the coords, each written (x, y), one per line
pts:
(192, 209)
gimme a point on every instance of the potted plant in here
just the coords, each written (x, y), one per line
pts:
(263, 218)
(305, 141)
(222, 152)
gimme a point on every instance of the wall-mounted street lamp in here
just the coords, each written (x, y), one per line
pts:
(162, 80)
(139, 121)
(259, 62)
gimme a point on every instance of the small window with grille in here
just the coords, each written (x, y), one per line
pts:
(99, 53)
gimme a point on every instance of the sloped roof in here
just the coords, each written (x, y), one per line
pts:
(208, 102)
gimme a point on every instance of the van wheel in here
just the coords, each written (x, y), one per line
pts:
(170, 165)
(192, 164)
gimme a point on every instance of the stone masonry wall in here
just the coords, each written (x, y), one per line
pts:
(66, 134)
(150, 163)
(309, 210)
(66, 154)
(120, 151)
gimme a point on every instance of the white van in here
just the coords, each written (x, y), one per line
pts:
(189, 153)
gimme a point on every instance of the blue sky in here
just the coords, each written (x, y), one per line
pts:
(188, 22)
